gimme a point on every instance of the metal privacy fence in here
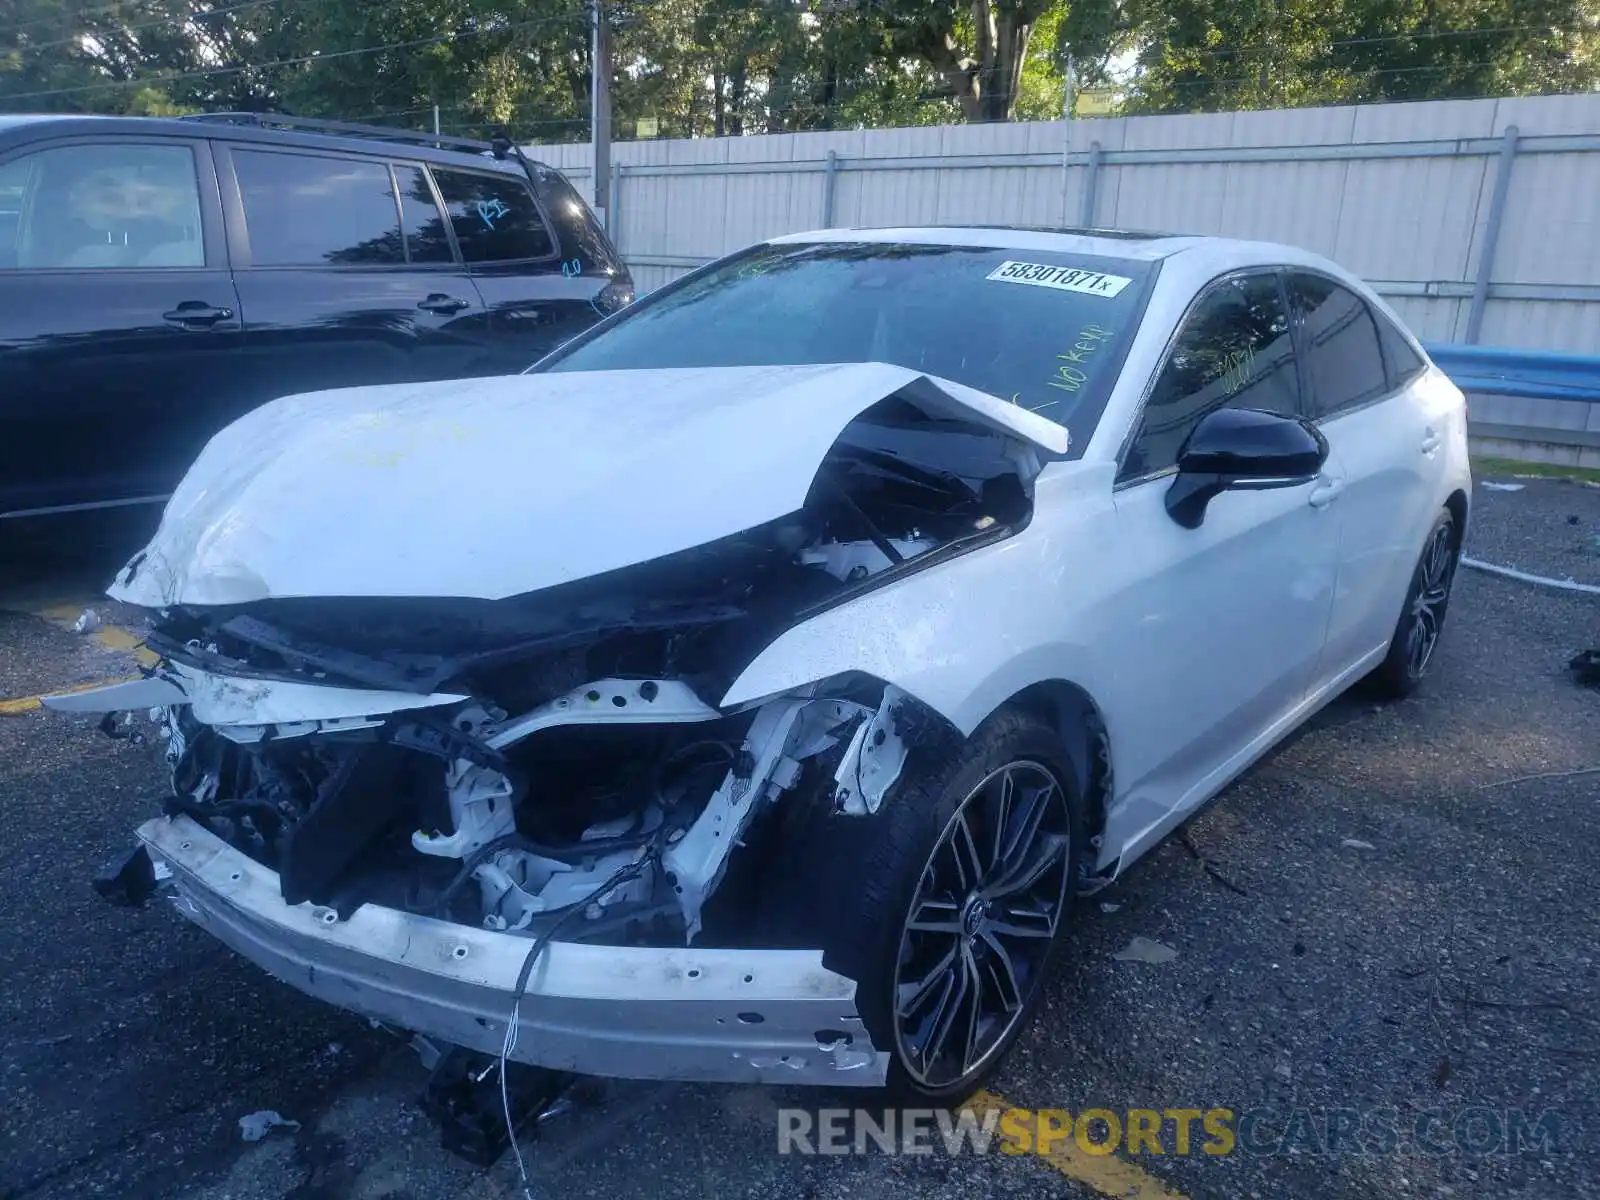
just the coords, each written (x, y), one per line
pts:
(1479, 220)
(1530, 404)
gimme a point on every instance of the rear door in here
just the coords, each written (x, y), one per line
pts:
(346, 272)
(119, 324)
(539, 294)
(1386, 445)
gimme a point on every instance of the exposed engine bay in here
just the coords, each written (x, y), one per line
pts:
(565, 738)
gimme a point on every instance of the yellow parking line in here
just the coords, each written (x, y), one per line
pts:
(1105, 1173)
(27, 704)
(114, 637)
(109, 637)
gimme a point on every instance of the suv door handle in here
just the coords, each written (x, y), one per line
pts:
(1430, 441)
(438, 302)
(1325, 493)
(197, 314)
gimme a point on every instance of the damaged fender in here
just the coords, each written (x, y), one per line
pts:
(918, 635)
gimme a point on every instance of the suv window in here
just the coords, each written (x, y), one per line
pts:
(427, 240)
(1403, 362)
(1234, 351)
(494, 217)
(1343, 363)
(108, 206)
(303, 210)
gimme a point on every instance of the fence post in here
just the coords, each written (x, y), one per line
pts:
(1091, 185)
(1066, 176)
(1491, 234)
(830, 177)
(614, 207)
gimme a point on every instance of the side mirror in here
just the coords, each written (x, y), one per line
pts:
(1242, 449)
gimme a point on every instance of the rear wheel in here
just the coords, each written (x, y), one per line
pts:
(947, 903)
(1416, 634)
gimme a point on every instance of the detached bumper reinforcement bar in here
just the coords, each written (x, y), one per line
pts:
(736, 1016)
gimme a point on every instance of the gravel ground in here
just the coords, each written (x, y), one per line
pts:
(1376, 918)
(1550, 527)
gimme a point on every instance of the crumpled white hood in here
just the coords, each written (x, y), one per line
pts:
(490, 488)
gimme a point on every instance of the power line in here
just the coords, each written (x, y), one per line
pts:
(77, 38)
(95, 10)
(370, 118)
(331, 56)
(1341, 73)
(75, 15)
(1341, 43)
(186, 18)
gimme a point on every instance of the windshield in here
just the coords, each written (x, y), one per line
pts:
(1045, 330)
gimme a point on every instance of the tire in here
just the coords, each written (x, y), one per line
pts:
(1416, 633)
(848, 885)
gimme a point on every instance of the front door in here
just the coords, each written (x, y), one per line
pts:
(1222, 625)
(119, 323)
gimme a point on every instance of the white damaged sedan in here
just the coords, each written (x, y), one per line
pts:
(745, 692)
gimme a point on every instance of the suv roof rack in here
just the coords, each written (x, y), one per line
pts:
(501, 147)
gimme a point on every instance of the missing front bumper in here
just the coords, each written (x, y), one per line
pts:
(735, 1016)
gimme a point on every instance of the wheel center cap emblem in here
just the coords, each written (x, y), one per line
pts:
(972, 919)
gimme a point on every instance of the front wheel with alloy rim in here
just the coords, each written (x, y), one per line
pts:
(946, 904)
(1416, 634)
(981, 923)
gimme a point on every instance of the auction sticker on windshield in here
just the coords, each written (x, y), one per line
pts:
(1063, 279)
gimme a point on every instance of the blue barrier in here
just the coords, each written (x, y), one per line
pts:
(1526, 374)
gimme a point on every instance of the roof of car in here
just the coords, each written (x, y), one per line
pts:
(252, 127)
(1112, 243)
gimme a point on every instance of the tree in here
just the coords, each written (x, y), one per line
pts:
(712, 67)
(1216, 54)
(976, 49)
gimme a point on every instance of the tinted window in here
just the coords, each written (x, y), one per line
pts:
(305, 210)
(1343, 362)
(427, 241)
(13, 187)
(1234, 351)
(1048, 334)
(578, 227)
(1403, 362)
(101, 206)
(494, 217)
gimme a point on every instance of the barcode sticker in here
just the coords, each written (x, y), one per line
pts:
(1063, 279)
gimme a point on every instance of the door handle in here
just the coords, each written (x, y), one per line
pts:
(438, 302)
(1430, 441)
(197, 314)
(1325, 493)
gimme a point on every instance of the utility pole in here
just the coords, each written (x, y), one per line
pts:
(600, 111)
(1066, 91)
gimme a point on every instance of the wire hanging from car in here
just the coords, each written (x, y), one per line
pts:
(540, 943)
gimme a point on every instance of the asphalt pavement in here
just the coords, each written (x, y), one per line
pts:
(1391, 923)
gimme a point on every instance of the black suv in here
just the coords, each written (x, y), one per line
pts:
(160, 277)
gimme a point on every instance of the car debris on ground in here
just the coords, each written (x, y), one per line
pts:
(257, 1125)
